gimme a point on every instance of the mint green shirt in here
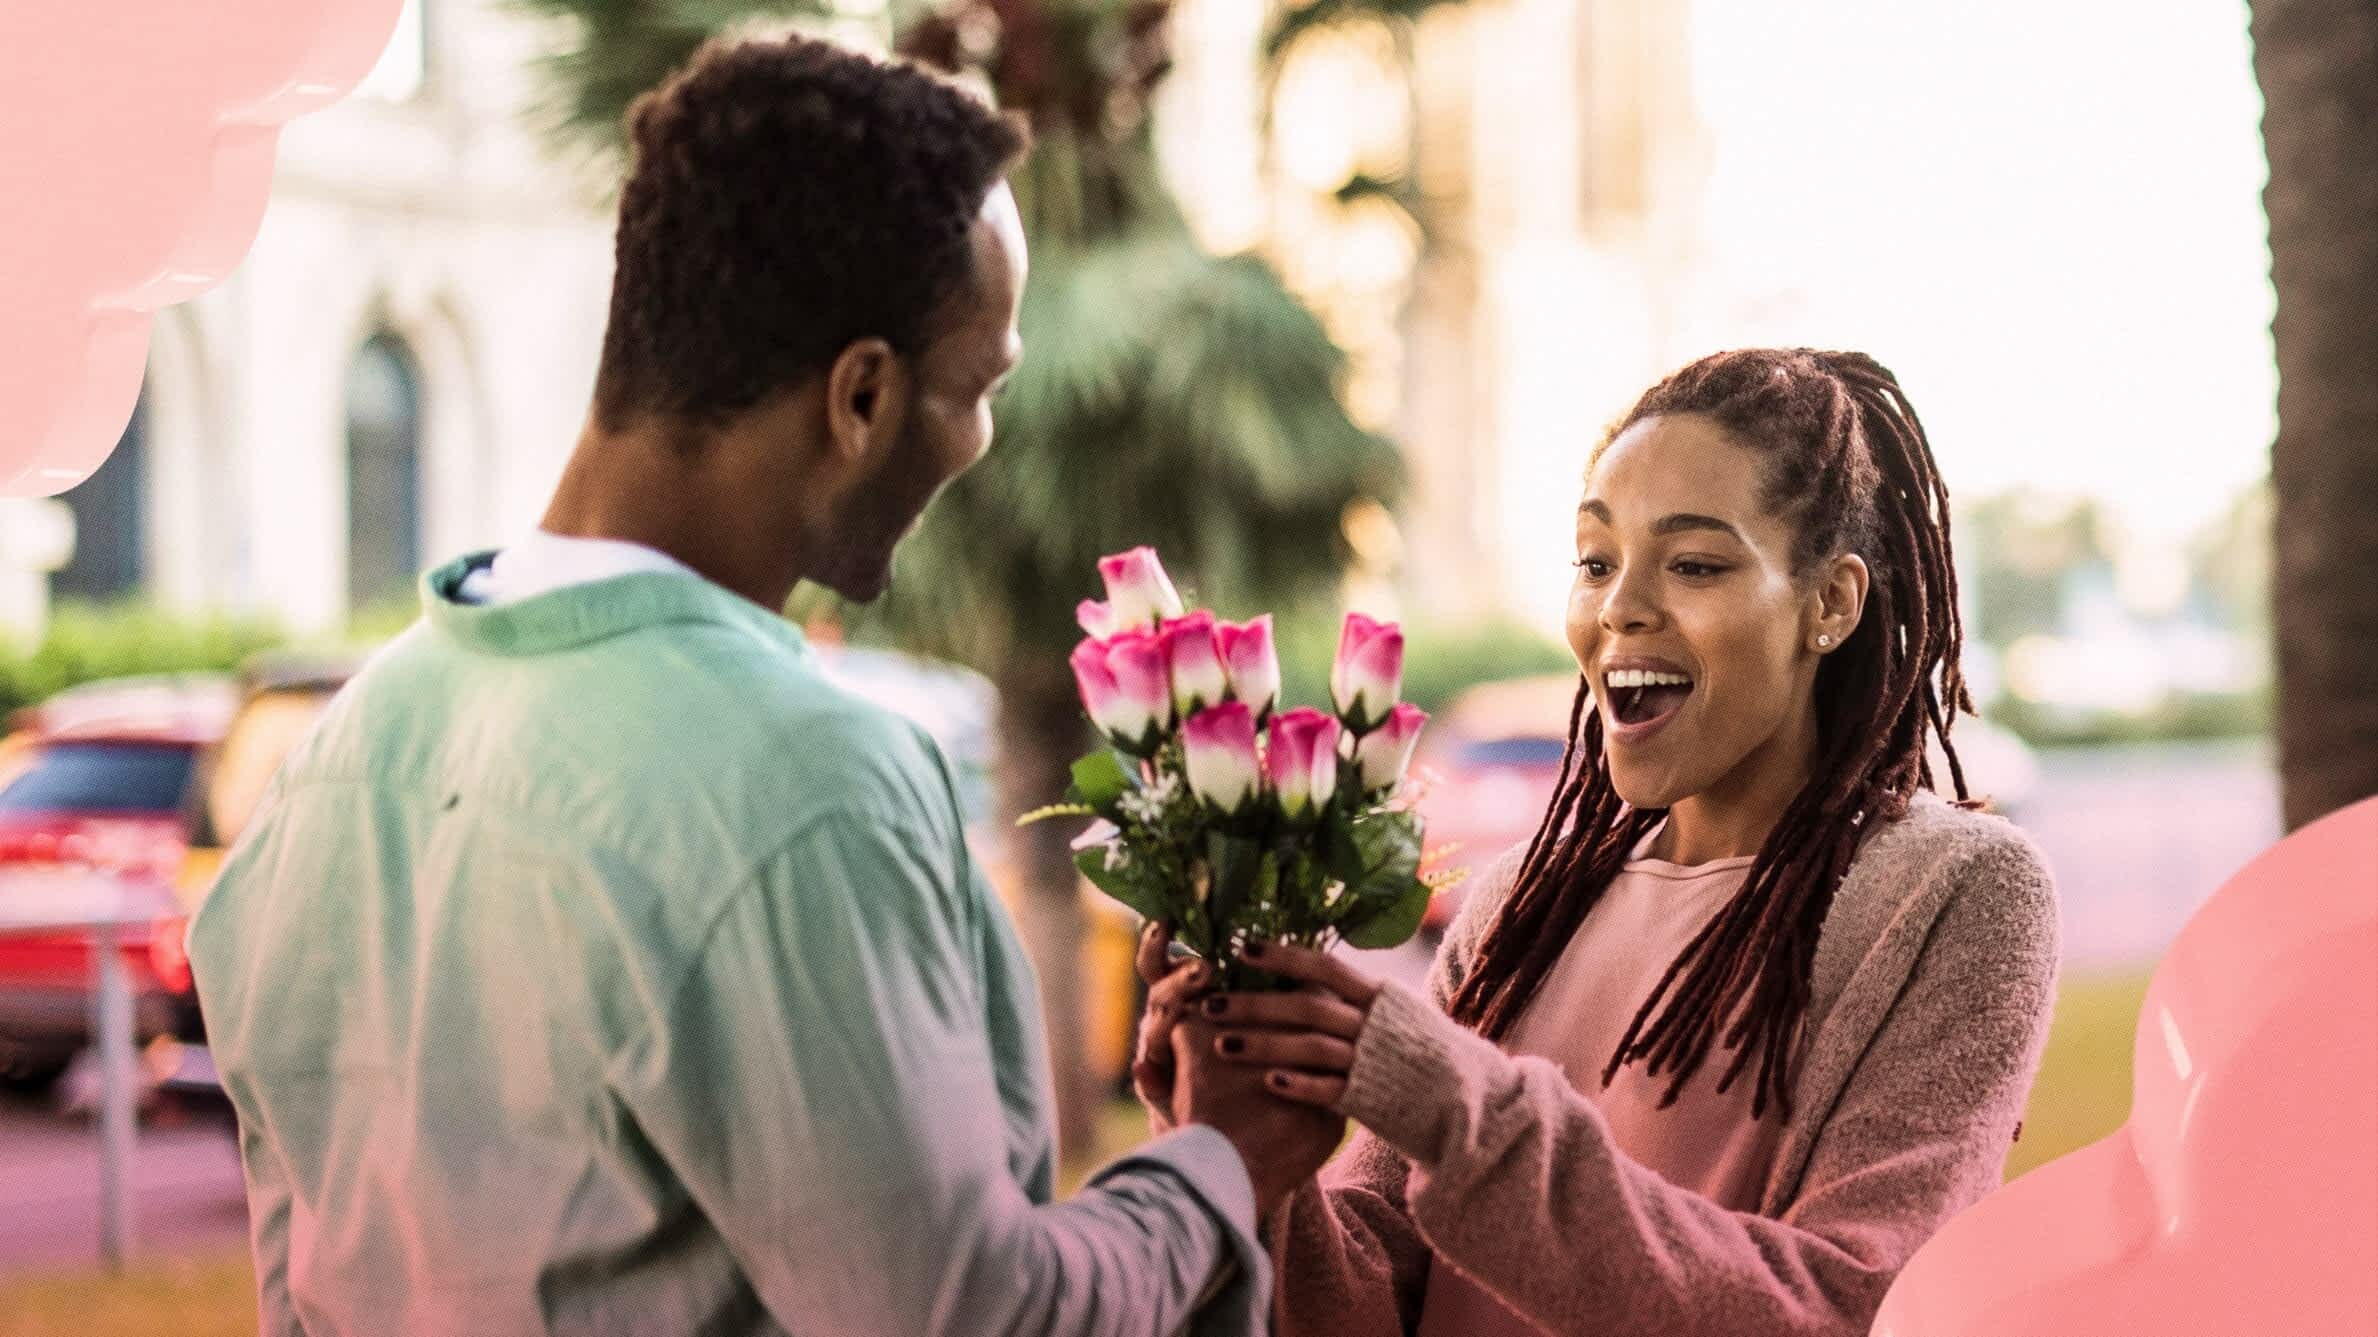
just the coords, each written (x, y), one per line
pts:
(596, 967)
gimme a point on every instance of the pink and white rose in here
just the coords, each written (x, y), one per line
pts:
(1302, 759)
(1126, 688)
(1386, 752)
(1369, 673)
(1218, 750)
(1138, 593)
(1194, 655)
(1252, 661)
(1097, 619)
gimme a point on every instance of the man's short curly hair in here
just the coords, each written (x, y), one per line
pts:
(787, 198)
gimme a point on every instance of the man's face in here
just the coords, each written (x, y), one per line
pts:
(947, 426)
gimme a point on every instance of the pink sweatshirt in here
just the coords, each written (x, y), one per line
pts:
(1929, 1006)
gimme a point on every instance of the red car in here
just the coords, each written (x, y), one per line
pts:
(100, 782)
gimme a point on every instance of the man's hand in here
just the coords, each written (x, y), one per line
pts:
(1173, 988)
(1282, 1142)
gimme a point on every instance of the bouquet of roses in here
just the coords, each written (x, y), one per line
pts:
(1227, 818)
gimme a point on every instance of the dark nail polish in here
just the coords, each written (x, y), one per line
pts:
(1215, 1006)
(1232, 1044)
(1254, 951)
(1279, 1081)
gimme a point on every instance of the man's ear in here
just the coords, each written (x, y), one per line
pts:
(867, 393)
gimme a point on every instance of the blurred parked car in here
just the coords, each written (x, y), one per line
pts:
(1490, 759)
(281, 694)
(102, 778)
(1496, 750)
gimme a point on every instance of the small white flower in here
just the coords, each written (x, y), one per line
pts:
(1116, 859)
(1331, 894)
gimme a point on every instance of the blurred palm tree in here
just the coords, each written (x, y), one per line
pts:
(1168, 396)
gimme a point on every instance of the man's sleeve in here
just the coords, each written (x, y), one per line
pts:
(823, 1083)
(269, 1207)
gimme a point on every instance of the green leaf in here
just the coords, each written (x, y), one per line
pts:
(1099, 779)
(1392, 923)
(1386, 856)
(1237, 865)
(1341, 858)
(1122, 884)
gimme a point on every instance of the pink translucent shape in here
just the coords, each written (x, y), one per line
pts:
(2242, 1197)
(136, 152)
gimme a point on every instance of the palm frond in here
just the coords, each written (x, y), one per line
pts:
(611, 51)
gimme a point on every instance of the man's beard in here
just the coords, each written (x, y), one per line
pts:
(855, 560)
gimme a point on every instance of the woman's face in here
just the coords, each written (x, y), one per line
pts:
(1699, 644)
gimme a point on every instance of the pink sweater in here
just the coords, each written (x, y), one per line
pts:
(1933, 981)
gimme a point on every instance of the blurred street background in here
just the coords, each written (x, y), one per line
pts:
(1380, 271)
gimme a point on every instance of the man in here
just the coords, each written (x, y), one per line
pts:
(595, 966)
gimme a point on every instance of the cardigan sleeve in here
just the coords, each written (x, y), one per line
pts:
(1515, 1181)
(1347, 1260)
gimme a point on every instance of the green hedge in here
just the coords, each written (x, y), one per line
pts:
(2190, 717)
(87, 642)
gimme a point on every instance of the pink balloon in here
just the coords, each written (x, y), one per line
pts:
(134, 167)
(2242, 1196)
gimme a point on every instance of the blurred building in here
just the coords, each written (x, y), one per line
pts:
(1519, 256)
(400, 366)
(395, 373)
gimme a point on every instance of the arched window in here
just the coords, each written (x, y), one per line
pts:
(110, 521)
(383, 472)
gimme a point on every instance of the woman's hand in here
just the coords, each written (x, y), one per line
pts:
(1306, 1038)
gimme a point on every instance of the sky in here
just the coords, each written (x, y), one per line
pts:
(2046, 218)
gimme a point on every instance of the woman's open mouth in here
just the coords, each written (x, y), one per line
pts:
(1641, 700)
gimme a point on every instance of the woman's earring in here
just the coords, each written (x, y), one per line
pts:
(1823, 641)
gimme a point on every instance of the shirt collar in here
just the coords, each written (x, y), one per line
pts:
(543, 561)
(582, 613)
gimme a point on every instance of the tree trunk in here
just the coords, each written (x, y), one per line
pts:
(2317, 62)
(1041, 733)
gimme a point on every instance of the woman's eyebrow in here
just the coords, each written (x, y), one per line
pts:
(1668, 524)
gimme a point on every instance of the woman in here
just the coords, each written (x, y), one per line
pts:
(1745, 831)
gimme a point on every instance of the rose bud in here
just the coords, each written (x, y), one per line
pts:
(1138, 593)
(1136, 659)
(1100, 696)
(1097, 619)
(1218, 746)
(1195, 658)
(1369, 673)
(1386, 751)
(1303, 759)
(1252, 662)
